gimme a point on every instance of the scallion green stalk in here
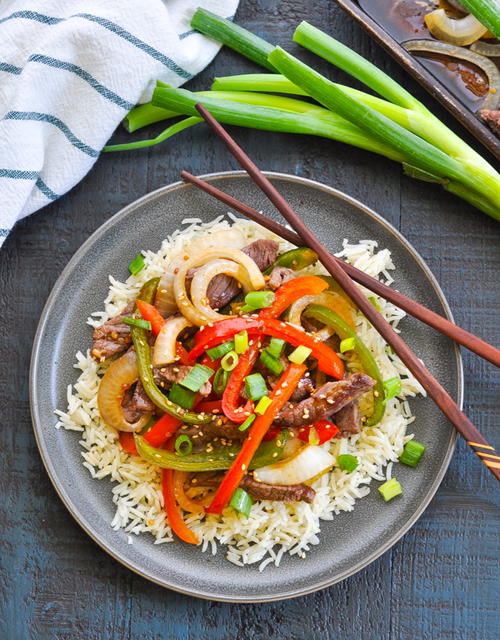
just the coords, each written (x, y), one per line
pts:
(487, 12)
(164, 135)
(233, 36)
(417, 151)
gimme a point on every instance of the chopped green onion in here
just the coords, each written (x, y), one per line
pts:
(347, 344)
(246, 308)
(255, 386)
(181, 396)
(263, 405)
(259, 299)
(220, 350)
(270, 362)
(313, 436)
(392, 388)
(248, 422)
(241, 502)
(374, 302)
(390, 489)
(137, 264)
(346, 462)
(241, 342)
(182, 440)
(220, 381)
(412, 453)
(197, 377)
(275, 347)
(300, 354)
(138, 322)
(229, 361)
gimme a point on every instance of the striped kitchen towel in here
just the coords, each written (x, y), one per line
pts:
(70, 71)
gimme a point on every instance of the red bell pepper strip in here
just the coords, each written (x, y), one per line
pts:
(271, 433)
(148, 312)
(325, 430)
(127, 442)
(181, 353)
(279, 396)
(210, 406)
(328, 360)
(231, 395)
(291, 291)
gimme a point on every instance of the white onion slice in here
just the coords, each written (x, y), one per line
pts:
(121, 374)
(255, 279)
(165, 299)
(204, 275)
(164, 350)
(307, 463)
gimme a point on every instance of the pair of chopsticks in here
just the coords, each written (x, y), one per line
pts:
(343, 272)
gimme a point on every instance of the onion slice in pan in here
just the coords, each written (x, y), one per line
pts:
(164, 350)
(459, 31)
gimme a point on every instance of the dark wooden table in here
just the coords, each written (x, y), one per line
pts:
(439, 582)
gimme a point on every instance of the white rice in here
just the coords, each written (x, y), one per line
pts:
(273, 528)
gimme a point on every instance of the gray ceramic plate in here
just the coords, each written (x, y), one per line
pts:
(351, 540)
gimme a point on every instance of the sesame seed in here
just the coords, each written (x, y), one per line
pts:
(243, 467)
(330, 400)
(275, 454)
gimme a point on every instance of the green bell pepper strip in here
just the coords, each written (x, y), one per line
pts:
(295, 259)
(343, 330)
(219, 459)
(143, 355)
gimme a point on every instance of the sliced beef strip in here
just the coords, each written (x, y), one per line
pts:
(112, 337)
(492, 119)
(278, 276)
(222, 289)
(279, 492)
(324, 402)
(167, 374)
(262, 490)
(219, 431)
(136, 403)
(305, 387)
(347, 419)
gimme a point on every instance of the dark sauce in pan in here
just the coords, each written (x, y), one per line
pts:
(404, 20)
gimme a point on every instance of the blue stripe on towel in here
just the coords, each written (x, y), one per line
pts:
(4, 233)
(111, 26)
(46, 117)
(69, 66)
(47, 191)
(10, 68)
(17, 174)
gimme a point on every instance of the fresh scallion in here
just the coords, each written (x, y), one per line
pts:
(183, 445)
(275, 347)
(182, 396)
(263, 405)
(229, 361)
(255, 386)
(220, 381)
(259, 299)
(412, 453)
(197, 377)
(248, 422)
(313, 436)
(241, 342)
(274, 365)
(246, 308)
(392, 388)
(390, 489)
(220, 350)
(241, 502)
(346, 462)
(138, 322)
(374, 302)
(137, 264)
(300, 354)
(347, 344)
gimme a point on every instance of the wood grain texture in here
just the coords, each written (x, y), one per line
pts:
(439, 582)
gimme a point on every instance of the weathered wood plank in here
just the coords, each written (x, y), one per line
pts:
(440, 581)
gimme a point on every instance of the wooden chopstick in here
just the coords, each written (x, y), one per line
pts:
(413, 308)
(484, 451)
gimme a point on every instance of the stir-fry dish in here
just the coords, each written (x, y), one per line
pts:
(234, 379)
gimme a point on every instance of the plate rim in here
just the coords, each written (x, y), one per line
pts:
(37, 422)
